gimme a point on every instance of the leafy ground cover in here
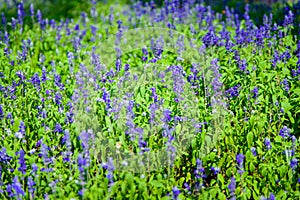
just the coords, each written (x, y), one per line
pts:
(77, 92)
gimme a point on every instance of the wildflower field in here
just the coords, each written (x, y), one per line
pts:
(140, 101)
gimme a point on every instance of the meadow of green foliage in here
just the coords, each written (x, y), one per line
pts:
(66, 111)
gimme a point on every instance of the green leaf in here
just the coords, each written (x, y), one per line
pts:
(129, 178)
(142, 186)
(123, 187)
(156, 183)
(291, 117)
(250, 139)
(251, 167)
(221, 178)
(282, 170)
(213, 193)
(221, 196)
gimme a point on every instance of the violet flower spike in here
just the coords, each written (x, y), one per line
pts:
(267, 143)
(232, 187)
(255, 92)
(294, 163)
(285, 132)
(175, 192)
(253, 151)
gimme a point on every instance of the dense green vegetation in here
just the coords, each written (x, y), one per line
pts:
(143, 101)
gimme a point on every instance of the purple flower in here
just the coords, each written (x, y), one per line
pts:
(126, 67)
(77, 27)
(58, 128)
(267, 142)
(57, 80)
(275, 59)
(3, 19)
(31, 185)
(106, 98)
(94, 13)
(119, 22)
(35, 80)
(178, 75)
(144, 58)
(83, 16)
(44, 75)
(141, 141)
(16, 185)
(130, 107)
(38, 143)
(286, 85)
(20, 14)
(9, 190)
(167, 116)
(22, 129)
(82, 163)
(152, 108)
(233, 92)
(53, 185)
(294, 140)
(272, 196)
(13, 23)
(281, 110)
(253, 151)
(215, 170)
(216, 83)
(118, 65)
(21, 75)
(255, 92)
(210, 39)
(42, 58)
(110, 167)
(58, 98)
(31, 10)
(176, 192)
(69, 117)
(243, 65)
(22, 162)
(145, 51)
(39, 16)
(294, 163)
(9, 116)
(44, 153)
(285, 56)
(288, 19)
(289, 152)
(294, 72)
(240, 159)
(1, 112)
(171, 149)
(81, 192)
(199, 171)
(199, 126)
(187, 186)
(94, 29)
(34, 169)
(154, 95)
(285, 132)
(232, 187)
(53, 24)
(6, 41)
(4, 158)
(84, 138)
